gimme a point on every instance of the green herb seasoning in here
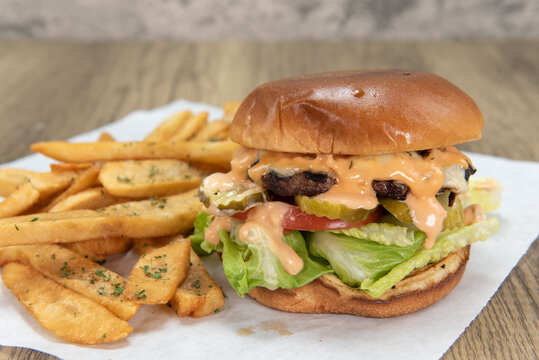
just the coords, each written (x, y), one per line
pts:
(124, 179)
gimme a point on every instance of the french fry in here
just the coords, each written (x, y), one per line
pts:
(82, 181)
(106, 247)
(215, 130)
(166, 130)
(191, 127)
(79, 248)
(147, 178)
(219, 152)
(198, 295)
(70, 167)
(157, 274)
(19, 201)
(92, 198)
(63, 312)
(11, 179)
(146, 245)
(105, 136)
(46, 183)
(230, 108)
(77, 273)
(147, 218)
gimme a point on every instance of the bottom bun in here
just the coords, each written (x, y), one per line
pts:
(328, 294)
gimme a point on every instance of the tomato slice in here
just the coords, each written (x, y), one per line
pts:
(296, 219)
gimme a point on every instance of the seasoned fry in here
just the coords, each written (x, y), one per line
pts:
(19, 201)
(147, 218)
(79, 248)
(157, 274)
(92, 198)
(70, 167)
(51, 183)
(146, 245)
(84, 180)
(166, 130)
(219, 152)
(106, 247)
(63, 312)
(215, 130)
(105, 136)
(191, 127)
(147, 178)
(46, 183)
(11, 179)
(76, 273)
(230, 108)
(198, 295)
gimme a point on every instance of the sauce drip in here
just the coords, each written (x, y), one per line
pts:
(211, 234)
(241, 160)
(265, 222)
(473, 213)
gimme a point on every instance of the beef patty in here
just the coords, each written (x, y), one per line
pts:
(311, 184)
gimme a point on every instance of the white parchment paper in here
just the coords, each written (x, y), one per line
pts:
(245, 329)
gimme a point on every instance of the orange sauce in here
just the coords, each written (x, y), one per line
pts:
(473, 213)
(243, 157)
(265, 222)
(211, 234)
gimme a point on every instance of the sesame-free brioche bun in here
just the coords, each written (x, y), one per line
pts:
(328, 294)
(356, 113)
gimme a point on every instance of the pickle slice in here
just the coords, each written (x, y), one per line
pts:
(398, 209)
(321, 208)
(453, 219)
(455, 215)
(238, 198)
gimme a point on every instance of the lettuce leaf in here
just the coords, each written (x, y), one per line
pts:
(202, 221)
(385, 234)
(356, 259)
(254, 264)
(446, 243)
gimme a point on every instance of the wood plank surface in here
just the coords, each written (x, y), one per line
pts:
(55, 90)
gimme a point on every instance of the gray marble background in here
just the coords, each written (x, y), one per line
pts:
(268, 20)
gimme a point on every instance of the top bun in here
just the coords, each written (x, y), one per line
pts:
(356, 113)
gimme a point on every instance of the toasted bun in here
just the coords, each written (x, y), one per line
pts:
(328, 294)
(356, 113)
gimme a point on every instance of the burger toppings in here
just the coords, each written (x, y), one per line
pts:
(379, 218)
(354, 183)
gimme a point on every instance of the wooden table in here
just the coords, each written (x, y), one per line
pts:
(55, 90)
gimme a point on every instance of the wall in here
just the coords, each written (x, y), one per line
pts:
(280, 19)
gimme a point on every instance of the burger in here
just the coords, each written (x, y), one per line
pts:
(344, 195)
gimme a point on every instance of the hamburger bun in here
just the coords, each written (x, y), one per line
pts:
(356, 113)
(328, 294)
